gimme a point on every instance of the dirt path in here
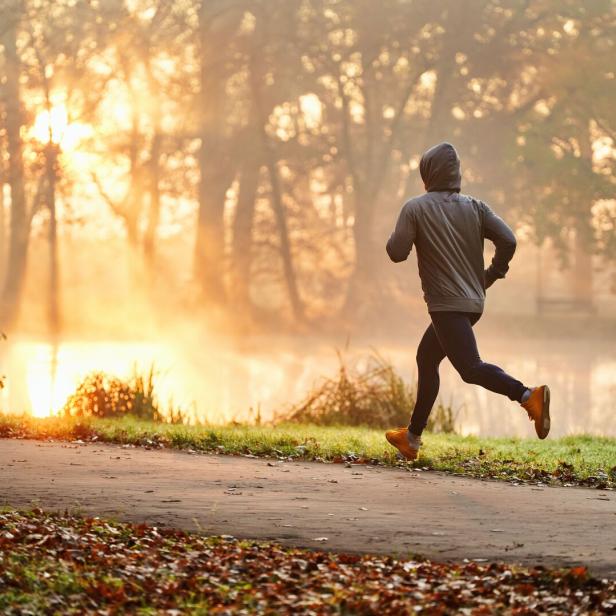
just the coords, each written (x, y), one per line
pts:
(358, 508)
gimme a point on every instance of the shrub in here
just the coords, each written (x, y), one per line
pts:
(102, 395)
(375, 395)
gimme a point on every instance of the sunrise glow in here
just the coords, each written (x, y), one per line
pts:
(55, 124)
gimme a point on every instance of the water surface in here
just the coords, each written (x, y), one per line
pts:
(218, 383)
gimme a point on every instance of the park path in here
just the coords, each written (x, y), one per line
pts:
(358, 508)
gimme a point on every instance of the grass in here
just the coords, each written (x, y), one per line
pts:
(575, 460)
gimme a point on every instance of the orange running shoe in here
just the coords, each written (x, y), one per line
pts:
(400, 440)
(538, 408)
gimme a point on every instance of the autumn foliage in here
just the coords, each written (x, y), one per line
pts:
(53, 563)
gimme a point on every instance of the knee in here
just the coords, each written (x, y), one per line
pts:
(425, 361)
(469, 373)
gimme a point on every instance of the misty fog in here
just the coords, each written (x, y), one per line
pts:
(207, 187)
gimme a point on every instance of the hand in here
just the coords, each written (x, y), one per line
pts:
(488, 280)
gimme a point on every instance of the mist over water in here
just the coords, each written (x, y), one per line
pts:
(228, 384)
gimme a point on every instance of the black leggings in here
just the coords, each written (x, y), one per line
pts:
(451, 335)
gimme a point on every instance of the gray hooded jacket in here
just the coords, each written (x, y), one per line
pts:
(448, 229)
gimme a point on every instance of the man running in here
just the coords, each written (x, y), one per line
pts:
(448, 229)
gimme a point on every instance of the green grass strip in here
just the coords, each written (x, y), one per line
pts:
(578, 460)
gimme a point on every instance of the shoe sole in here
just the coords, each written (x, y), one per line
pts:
(544, 429)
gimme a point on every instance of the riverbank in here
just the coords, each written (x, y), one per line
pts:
(572, 460)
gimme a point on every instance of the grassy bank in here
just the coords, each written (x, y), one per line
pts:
(575, 460)
(65, 564)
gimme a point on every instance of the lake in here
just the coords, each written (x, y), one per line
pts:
(217, 381)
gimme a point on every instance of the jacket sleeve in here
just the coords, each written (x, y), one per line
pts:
(496, 230)
(401, 240)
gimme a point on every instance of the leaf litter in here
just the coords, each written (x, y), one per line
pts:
(64, 563)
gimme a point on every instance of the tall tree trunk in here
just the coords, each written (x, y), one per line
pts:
(2, 219)
(582, 270)
(154, 193)
(19, 225)
(241, 245)
(51, 160)
(209, 245)
(277, 203)
(135, 190)
(283, 236)
(363, 288)
(153, 167)
(215, 172)
(50, 169)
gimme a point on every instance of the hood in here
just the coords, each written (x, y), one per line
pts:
(440, 168)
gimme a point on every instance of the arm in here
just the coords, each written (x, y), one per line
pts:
(496, 230)
(400, 242)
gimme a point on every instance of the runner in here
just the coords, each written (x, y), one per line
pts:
(448, 229)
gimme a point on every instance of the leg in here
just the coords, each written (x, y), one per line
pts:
(455, 334)
(429, 356)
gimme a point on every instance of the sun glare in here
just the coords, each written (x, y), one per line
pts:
(47, 392)
(312, 109)
(55, 123)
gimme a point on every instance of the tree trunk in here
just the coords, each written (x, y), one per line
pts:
(149, 239)
(363, 289)
(215, 172)
(277, 203)
(19, 225)
(50, 168)
(283, 236)
(2, 221)
(135, 189)
(582, 271)
(241, 246)
(153, 167)
(209, 246)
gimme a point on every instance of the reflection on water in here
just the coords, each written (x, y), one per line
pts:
(222, 384)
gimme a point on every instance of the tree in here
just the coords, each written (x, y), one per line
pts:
(217, 24)
(556, 142)
(19, 225)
